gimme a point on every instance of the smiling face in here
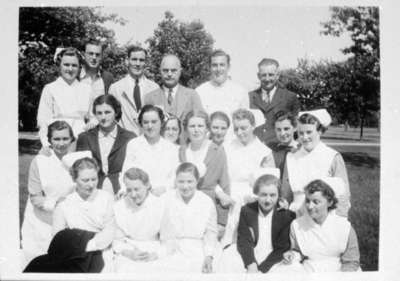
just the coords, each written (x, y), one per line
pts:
(151, 125)
(170, 71)
(86, 182)
(136, 63)
(267, 197)
(317, 206)
(171, 130)
(136, 190)
(309, 136)
(186, 185)
(218, 129)
(69, 68)
(197, 129)
(268, 75)
(105, 114)
(93, 56)
(284, 131)
(60, 141)
(219, 69)
(243, 130)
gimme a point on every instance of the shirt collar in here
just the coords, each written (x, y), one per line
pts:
(174, 90)
(84, 74)
(261, 214)
(271, 93)
(112, 134)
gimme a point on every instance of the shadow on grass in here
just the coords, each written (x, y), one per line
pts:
(342, 138)
(27, 146)
(361, 159)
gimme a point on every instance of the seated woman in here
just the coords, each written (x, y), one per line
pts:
(285, 125)
(49, 181)
(107, 141)
(172, 129)
(325, 241)
(189, 225)
(312, 161)
(151, 152)
(219, 125)
(138, 216)
(65, 98)
(210, 160)
(88, 208)
(246, 155)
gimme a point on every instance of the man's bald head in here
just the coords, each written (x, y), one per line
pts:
(170, 69)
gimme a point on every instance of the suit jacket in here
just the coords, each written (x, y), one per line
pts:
(248, 235)
(185, 100)
(90, 141)
(282, 100)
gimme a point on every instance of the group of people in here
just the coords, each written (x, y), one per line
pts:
(139, 177)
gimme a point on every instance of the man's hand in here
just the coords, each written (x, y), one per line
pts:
(207, 265)
(136, 254)
(252, 268)
(225, 200)
(288, 257)
(283, 204)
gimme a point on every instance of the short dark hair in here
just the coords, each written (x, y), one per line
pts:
(71, 52)
(95, 42)
(221, 116)
(283, 115)
(83, 163)
(241, 114)
(134, 49)
(307, 118)
(137, 174)
(111, 101)
(148, 108)
(187, 167)
(325, 189)
(267, 180)
(58, 126)
(196, 113)
(220, 53)
(268, 61)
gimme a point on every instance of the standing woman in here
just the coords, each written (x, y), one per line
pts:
(312, 161)
(107, 141)
(48, 182)
(151, 152)
(210, 160)
(219, 125)
(247, 157)
(87, 208)
(65, 98)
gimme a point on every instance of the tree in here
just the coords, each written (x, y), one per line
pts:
(41, 31)
(189, 41)
(362, 24)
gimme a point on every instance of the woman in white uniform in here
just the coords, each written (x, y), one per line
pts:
(151, 152)
(321, 240)
(138, 216)
(312, 161)
(88, 208)
(65, 98)
(247, 157)
(189, 225)
(48, 182)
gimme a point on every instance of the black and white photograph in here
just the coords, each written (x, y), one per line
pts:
(206, 140)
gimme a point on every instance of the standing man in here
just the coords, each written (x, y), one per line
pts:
(171, 96)
(270, 98)
(92, 73)
(131, 89)
(221, 93)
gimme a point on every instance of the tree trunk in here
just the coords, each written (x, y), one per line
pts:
(362, 127)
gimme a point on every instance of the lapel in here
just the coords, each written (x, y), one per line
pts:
(274, 226)
(253, 220)
(93, 139)
(129, 96)
(119, 141)
(258, 102)
(179, 102)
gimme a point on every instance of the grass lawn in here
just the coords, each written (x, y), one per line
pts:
(363, 166)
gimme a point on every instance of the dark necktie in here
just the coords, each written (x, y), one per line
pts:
(136, 95)
(169, 99)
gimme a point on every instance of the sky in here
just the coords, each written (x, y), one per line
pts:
(247, 33)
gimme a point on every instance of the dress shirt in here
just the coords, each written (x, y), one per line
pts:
(267, 97)
(264, 243)
(106, 142)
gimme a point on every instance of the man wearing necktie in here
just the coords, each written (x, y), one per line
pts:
(173, 97)
(270, 98)
(131, 89)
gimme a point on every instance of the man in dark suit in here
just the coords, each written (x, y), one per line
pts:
(263, 232)
(172, 97)
(92, 72)
(107, 141)
(271, 98)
